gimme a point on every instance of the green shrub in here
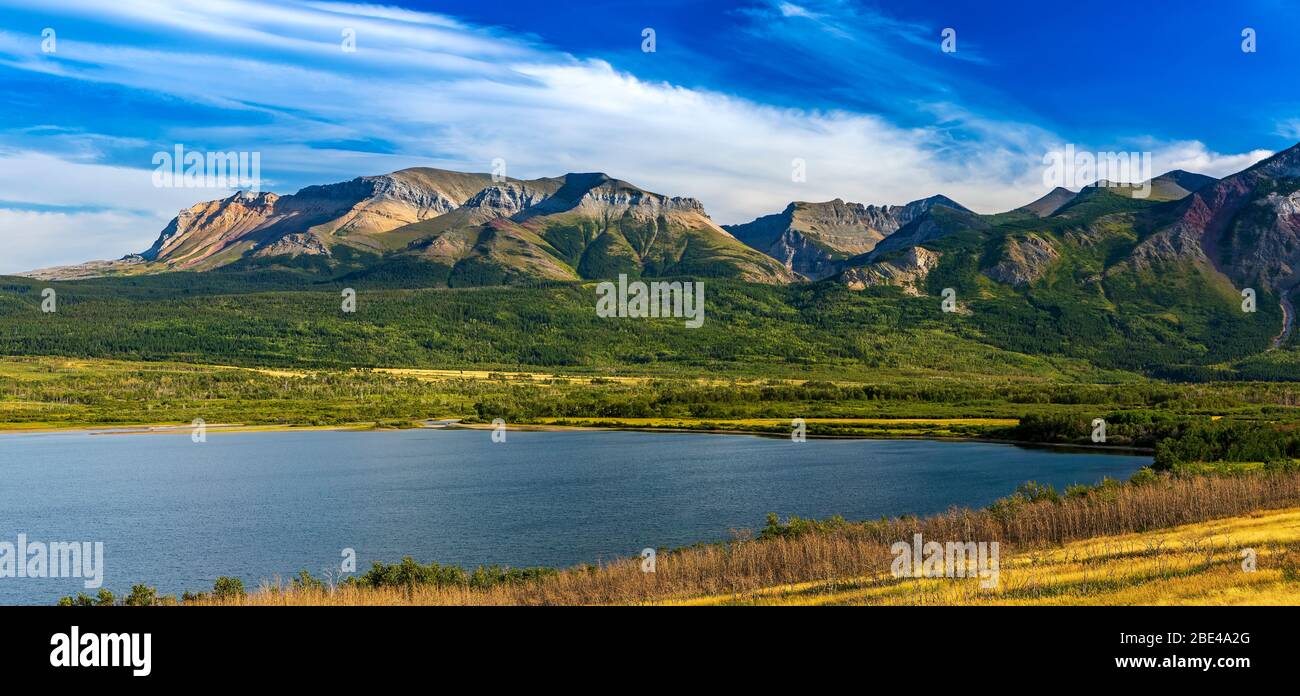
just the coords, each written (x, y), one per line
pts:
(305, 581)
(409, 574)
(1033, 491)
(1145, 475)
(797, 526)
(141, 596)
(228, 588)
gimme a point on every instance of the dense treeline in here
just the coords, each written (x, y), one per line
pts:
(1178, 440)
(747, 327)
(1194, 442)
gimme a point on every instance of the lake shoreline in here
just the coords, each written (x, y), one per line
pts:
(456, 424)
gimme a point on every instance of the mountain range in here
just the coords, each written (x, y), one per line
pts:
(458, 229)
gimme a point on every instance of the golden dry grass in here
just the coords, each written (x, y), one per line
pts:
(1173, 541)
(1199, 564)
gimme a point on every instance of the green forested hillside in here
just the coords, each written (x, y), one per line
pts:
(283, 318)
(748, 328)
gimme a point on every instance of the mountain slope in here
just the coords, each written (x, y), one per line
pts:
(1177, 184)
(928, 227)
(1170, 186)
(906, 257)
(311, 221)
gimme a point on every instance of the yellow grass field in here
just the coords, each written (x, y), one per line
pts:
(1197, 564)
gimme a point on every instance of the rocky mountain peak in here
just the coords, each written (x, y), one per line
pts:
(597, 192)
(812, 238)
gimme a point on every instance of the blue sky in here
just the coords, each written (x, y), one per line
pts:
(860, 91)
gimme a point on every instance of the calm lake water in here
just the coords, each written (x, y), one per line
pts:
(176, 514)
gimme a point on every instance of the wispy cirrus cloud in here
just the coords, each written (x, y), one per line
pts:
(1289, 128)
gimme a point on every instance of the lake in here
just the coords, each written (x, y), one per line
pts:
(176, 514)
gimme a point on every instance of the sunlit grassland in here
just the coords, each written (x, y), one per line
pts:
(1199, 564)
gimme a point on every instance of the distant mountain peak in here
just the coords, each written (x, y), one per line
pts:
(1049, 203)
(591, 190)
(938, 199)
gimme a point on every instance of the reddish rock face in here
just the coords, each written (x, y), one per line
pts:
(1244, 226)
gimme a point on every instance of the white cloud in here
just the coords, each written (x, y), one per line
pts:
(1194, 156)
(76, 211)
(37, 179)
(33, 239)
(789, 9)
(446, 94)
